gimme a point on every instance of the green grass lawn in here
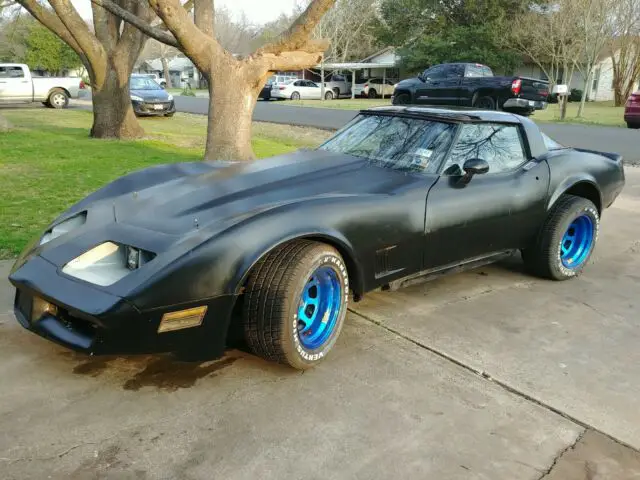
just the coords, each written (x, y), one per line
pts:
(595, 113)
(48, 161)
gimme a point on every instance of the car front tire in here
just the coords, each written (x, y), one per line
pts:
(566, 241)
(634, 126)
(295, 303)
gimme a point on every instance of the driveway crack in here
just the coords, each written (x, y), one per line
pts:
(560, 454)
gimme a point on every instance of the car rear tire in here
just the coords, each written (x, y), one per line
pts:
(295, 96)
(402, 99)
(566, 241)
(58, 99)
(485, 103)
(328, 96)
(634, 126)
(373, 93)
(169, 115)
(295, 303)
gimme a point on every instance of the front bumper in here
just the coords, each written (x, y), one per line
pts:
(521, 103)
(153, 108)
(90, 320)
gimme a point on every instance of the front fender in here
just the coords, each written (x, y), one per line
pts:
(329, 236)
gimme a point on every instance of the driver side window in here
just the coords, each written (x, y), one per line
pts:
(499, 145)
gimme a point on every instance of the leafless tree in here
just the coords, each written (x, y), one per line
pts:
(346, 27)
(549, 35)
(595, 25)
(234, 83)
(108, 50)
(165, 53)
(234, 34)
(624, 48)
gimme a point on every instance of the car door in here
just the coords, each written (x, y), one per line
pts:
(312, 90)
(15, 84)
(440, 85)
(497, 211)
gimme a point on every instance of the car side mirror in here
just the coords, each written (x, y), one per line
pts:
(474, 166)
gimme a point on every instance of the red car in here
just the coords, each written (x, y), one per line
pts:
(632, 111)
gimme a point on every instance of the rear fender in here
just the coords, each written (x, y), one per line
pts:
(583, 185)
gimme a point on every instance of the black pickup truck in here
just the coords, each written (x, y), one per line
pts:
(473, 85)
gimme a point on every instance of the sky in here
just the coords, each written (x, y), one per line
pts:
(257, 11)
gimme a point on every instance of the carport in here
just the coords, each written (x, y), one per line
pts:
(353, 67)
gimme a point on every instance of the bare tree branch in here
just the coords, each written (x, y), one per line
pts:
(196, 44)
(297, 36)
(142, 25)
(71, 19)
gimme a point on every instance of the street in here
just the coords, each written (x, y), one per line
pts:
(490, 374)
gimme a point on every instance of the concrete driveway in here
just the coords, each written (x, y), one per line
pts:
(485, 375)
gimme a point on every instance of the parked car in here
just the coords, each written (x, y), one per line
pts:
(338, 83)
(150, 99)
(473, 85)
(299, 89)
(374, 87)
(153, 76)
(275, 80)
(18, 85)
(632, 111)
(175, 256)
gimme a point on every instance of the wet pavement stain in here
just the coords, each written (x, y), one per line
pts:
(169, 374)
(93, 366)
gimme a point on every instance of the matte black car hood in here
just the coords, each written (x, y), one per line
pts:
(240, 190)
(152, 95)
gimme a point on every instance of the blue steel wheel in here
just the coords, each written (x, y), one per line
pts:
(320, 304)
(566, 240)
(577, 242)
(295, 303)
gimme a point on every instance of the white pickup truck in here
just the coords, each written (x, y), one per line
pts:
(17, 85)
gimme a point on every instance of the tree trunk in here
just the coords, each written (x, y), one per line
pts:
(167, 74)
(587, 87)
(113, 115)
(232, 99)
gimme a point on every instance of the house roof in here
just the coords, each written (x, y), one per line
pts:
(377, 54)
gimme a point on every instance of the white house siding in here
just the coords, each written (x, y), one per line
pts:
(601, 87)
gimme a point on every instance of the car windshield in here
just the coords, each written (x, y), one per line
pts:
(143, 83)
(399, 143)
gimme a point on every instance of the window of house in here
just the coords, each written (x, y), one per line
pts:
(499, 145)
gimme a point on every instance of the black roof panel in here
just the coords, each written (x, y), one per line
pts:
(459, 114)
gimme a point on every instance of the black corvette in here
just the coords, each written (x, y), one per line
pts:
(169, 257)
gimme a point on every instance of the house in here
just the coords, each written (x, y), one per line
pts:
(181, 70)
(601, 87)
